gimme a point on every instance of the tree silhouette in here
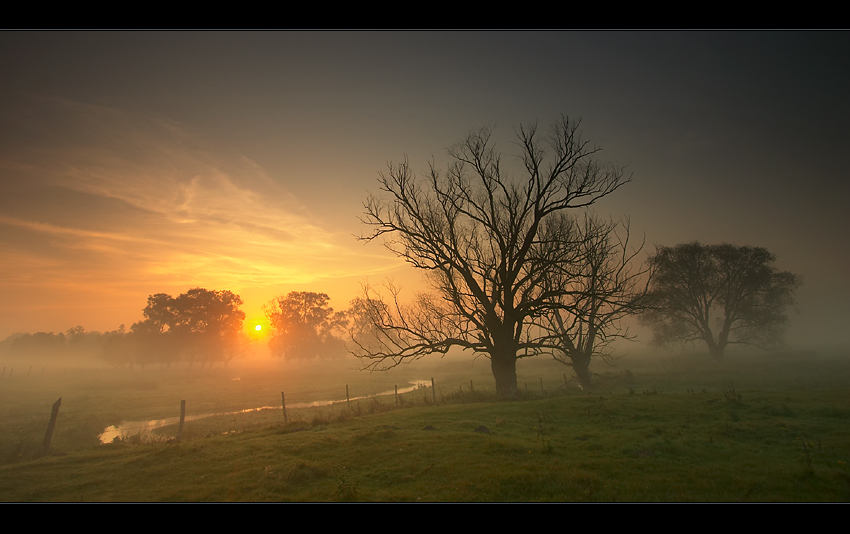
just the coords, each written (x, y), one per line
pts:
(603, 283)
(363, 317)
(718, 294)
(303, 326)
(39, 345)
(485, 240)
(199, 324)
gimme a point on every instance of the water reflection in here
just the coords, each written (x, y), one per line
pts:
(144, 429)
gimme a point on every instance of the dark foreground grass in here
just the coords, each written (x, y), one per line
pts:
(687, 433)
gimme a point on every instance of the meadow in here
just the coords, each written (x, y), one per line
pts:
(683, 428)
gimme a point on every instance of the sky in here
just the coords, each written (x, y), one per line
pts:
(134, 163)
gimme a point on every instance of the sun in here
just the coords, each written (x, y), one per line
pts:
(256, 329)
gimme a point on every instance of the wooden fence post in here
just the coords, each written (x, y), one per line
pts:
(182, 418)
(48, 436)
(347, 398)
(283, 403)
(433, 391)
(396, 395)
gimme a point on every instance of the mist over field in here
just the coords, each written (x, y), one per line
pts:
(582, 220)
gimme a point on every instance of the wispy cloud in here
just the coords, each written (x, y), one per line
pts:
(109, 198)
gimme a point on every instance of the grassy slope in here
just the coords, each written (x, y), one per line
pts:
(669, 431)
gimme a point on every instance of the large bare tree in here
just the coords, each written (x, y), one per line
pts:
(484, 237)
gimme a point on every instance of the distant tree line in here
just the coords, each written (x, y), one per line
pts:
(205, 327)
(199, 326)
(73, 343)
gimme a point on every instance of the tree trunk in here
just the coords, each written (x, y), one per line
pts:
(715, 349)
(581, 367)
(504, 371)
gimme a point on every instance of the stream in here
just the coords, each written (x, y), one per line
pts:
(126, 429)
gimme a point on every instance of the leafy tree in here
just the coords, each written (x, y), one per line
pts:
(211, 321)
(160, 312)
(148, 343)
(718, 294)
(152, 339)
(200, 324)
(603, 283)
(478, 232)
(303, 326)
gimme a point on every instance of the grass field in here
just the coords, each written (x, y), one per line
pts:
(754, 428)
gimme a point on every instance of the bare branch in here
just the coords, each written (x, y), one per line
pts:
(484, 238)
(606, 283)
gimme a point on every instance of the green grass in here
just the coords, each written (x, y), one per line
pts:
(673, 429)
